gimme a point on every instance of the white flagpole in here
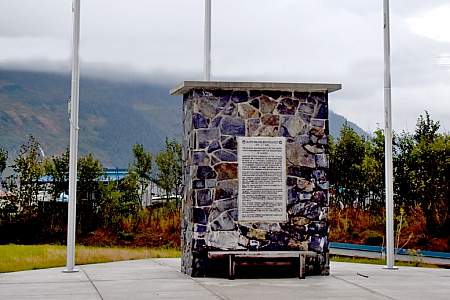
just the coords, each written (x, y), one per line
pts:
(72, 207)
(389, 174)
(207, 42)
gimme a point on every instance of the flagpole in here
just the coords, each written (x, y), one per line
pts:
(389, 174)
(71, 219)
(207, 42)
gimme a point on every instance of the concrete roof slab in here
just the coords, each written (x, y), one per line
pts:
(187, 86)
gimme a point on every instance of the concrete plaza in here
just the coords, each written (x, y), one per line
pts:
(161, 279)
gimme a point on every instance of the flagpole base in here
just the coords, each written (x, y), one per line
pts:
(390, 268)
(74, 270)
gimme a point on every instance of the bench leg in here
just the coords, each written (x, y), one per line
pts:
(231, 267)
(302, 266)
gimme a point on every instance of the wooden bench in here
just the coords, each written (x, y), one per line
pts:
(234, 256)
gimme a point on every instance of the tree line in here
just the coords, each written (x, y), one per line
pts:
(102, 204)
(421, 176)
(357, 198)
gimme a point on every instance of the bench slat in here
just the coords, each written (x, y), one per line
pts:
(268, 254)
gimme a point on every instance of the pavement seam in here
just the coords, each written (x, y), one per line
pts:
(364, 288)
(182, 275)
(92, 283)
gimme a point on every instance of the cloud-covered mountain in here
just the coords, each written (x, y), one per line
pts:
(113, 114)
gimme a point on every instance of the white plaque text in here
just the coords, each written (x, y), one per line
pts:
(262, 179)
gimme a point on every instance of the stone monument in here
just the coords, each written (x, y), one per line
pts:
(255, 169)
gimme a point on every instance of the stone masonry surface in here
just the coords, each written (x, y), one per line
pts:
(212, 121)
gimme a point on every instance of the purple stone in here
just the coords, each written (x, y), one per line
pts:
(225, 155)
(214, 146)
(229, 143)
(323, 111)
(255, 103)
(306, 108)
(216, 121)
(239, 96)
(291, 181)
(200, 216)
(287, 106)
(199, 228)
(199, 121)
(293, 196)
(203, 197)
(198, 184)
(312, 211)
(233, 126)
(205, 172)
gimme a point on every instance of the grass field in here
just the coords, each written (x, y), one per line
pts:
(30, 257)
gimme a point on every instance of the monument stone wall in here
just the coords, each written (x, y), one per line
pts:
(288, 209)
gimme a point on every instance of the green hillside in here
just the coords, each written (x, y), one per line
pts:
(113, 114)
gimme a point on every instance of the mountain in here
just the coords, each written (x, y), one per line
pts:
(113, 115)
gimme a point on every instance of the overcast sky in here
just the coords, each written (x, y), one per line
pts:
(259, 40)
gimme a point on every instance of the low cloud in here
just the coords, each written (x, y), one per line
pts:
(286, 40)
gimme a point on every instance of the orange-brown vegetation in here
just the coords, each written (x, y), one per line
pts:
(355, 225)
(152, 227)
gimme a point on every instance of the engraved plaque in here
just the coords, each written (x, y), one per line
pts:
(262, 179)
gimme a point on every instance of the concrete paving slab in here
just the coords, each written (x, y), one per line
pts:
(161, 279)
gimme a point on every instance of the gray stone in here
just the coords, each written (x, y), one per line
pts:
(302, 139)
(314, 149)
(306, 108)
(225, 204)
(198, 184)
(207, 107)
(200, 158)
(226, 189)
(296, 155)
(266, 130)
(318, 123)
(203, 197)
(322, 160)
(224, 240)
(222, 222)
(252, 126)
(305, 185)
(210, 183)
(206, 135)
(323, 140)
(294, 125)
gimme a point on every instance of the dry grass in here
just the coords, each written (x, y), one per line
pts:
(29, 257)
